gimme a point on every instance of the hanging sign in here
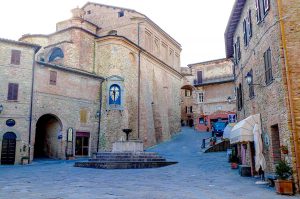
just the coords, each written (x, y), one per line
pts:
(70, 134)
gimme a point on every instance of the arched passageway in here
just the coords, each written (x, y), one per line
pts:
(48, 137)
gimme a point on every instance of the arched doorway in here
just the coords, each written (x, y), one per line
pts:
(8, 151)
(48, 137)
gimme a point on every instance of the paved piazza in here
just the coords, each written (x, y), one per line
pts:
(197, 175)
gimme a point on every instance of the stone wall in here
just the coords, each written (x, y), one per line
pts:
(18, 110)
(268, 100)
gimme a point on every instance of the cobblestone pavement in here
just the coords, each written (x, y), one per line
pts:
(196, 176)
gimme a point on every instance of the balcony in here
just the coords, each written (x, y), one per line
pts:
(215, 80)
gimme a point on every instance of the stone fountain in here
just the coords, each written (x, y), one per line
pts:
(127, 154)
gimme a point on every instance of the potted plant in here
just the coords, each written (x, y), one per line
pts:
(284, 149)
(234, 161)
(284, 184)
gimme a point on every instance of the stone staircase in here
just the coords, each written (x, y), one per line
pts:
(125, 160)
(221, 145)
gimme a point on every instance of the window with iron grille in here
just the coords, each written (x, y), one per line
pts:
(201, 97)
(251, 86)
(15, 57)
(53, 77)
(268, 67)
(12, 93)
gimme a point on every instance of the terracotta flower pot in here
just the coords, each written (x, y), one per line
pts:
(284, 187)
(234, 165)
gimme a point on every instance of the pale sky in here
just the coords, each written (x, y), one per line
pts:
(198, 25)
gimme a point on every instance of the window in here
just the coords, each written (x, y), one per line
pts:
(83, 116)
(262, 7)
(251, 86)
(187, 93)
(237, 51)
(201, 97)
(56, 54)
(89, 12)
(12, 91)
(199, 77)
(268, 67)
(53, 77)
(201, 120)
(239, 97)
(191, 109)
(15, 57)
(247, 29)
(112, 32)
(115, 94)
(121, 13)
(186, 109)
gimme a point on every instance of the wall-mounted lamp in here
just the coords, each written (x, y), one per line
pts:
(229, 100)
(1, 108)
(249, 79)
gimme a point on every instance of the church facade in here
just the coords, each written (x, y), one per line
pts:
(105, 69)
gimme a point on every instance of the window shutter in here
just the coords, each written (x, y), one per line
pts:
(191, 109)
(257, 8)
(234, 54)
(12, 91)
(199, 77)
(249, 25)
(83, 116)
(15, 57)
(266, 5)
(245, 32)
(53, 77)
(186, 109)
(238, 49)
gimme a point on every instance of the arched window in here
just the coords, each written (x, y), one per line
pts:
(112, 32)
(56, 53)
(9, 136)
(115, 94)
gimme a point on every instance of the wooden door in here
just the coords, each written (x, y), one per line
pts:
(8, 151)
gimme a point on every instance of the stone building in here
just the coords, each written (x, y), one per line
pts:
(261, 37)
(16, 66)
(105, 69)
(212, 97)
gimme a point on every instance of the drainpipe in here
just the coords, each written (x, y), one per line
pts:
(139, 79)
(289, 87)
(99, 117)
(31, 107)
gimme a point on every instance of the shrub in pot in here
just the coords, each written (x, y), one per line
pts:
(234, 161)
(284, 184)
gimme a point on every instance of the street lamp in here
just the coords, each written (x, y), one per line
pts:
(1, 108)
(249, 78)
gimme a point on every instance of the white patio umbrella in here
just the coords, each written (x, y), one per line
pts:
(259, 157)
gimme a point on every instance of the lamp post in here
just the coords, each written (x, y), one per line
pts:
(249, 78)
(1, 108)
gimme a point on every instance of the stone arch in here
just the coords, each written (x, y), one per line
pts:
(55, 53)
(48, 135)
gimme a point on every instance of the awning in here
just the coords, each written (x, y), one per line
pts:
(243, 130)
(227, 130)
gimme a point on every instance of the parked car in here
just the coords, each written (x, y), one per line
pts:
(218, 128)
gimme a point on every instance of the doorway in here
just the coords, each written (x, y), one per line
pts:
(82, 143)
(47, 137)
(8, 151)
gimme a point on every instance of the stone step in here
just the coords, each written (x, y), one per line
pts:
(122, 165)
(127, 156)
(125, 153)
(128, 159)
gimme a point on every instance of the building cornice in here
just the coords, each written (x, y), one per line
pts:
(215, 61)
(34, 46)
(71, 70)
(146, 18)
(232, 25)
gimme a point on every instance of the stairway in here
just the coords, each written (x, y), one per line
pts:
(125, 160)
